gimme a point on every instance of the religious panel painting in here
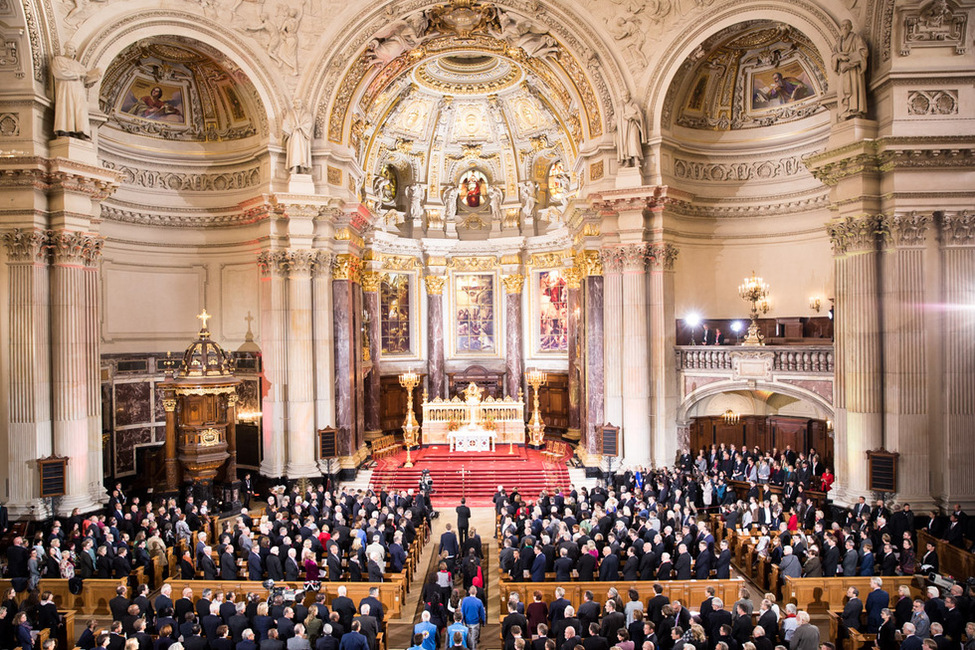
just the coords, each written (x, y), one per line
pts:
(474, 324)
(154, 101)
(473, 189)
(781, 85)
(552, 312)
(395, 303)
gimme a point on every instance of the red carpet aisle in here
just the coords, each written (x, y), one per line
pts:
(474, 475)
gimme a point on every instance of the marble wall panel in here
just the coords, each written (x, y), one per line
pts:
(126, 441)
(133, 403)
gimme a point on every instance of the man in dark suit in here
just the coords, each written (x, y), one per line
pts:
(911, 641)
(609, 568)
(17, 556)
(448, 543)
(612, 621)
(586, 567)
(463, 520)
(247, 641)
(720, 616)
(375, 607)
(273, 642)
(682, 565)
(228, 564)
(850, 618)
(656, 604)
(556, 611)
(570, 639)
(183, 605)
(345, 608)
(255, 568)
(563, 566)
(334, 562)
(831, 557)
(119, 605)
(877, 600)
(368, 626)
(768, 621)
(203, 604)
(588, 613)
(116, 640)
(513, 618)
(569, 620)
(537, 568)
(373, 569)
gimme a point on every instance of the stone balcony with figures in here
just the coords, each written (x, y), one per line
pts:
(803, 371)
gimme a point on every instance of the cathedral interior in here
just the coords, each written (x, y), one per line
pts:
(704, 221)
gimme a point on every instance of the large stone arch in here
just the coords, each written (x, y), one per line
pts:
(99, 44)
(820, 27)
(719, 387)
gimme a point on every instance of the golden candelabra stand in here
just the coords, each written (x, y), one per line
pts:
(755, 291)
(536, 429)
(411, 428)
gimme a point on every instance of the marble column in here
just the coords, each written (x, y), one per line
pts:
(613, 341)
(171, 461)
(436, 377)
(274, 327)
(230, 469)
(93, 337)
(664, 432)
(300, 428)
(370, 297)
(323, 344)
(574, 306)
(858, 357)
(28, 361)
(514, 362)
(636, 357)
(592, 297)
(906, 386)
(957, 481)
(69, 354)
(348, 414)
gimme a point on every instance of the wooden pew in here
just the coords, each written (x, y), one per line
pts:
(93, 599)
(390, 593)
(689, 592)
(953, 561)
(819, 595)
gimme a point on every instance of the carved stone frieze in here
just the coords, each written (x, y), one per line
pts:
(188, 219)
(938, 23)
(905, 230)
(188, 182)
(292, 263)
(932, 102)
(854, 234)
(957, 229)
(9, 125)
(473, 263)
(24, 245)
(738, 172)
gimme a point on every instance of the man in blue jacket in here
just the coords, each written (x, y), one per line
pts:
(472, 609)
(876, 602)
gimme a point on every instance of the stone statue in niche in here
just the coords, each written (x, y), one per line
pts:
(496, 195)
(629, 133)
(71, 83)
(450, 203)
(415, 195)
(528, 191)
(850, 63)
(297, 127)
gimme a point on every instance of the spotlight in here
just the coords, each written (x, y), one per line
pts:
(692, 319)
(736, 326)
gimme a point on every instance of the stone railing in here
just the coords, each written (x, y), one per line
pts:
(803, 359)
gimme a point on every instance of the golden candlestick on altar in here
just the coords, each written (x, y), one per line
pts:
(536, 429)
(755, 291)
(411, 428)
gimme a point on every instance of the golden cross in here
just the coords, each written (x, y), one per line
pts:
(204, 317)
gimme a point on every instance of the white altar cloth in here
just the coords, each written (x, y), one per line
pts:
(471, 439)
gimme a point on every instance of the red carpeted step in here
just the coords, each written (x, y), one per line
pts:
(473, 475)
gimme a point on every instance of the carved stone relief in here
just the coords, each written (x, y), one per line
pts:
(188, 182)
(932, 102)
(935, 24)
(9, 125)
(738, 172)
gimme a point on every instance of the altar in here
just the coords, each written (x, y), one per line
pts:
(473, 424)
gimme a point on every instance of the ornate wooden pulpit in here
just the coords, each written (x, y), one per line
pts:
(201, 416)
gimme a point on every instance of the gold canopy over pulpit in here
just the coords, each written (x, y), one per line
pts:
(503, 417)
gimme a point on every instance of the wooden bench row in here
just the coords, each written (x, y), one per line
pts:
(689, 592)
(818, 595)
(384, 446)
(555, 450)
(953, 561)
(93, 599)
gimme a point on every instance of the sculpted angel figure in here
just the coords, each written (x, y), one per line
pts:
(416, 201)
(528, 189)
(450, 203)
(496, 194)
(400, 36)
(525, 33)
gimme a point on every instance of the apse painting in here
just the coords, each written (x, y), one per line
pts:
(154, 101)
(552, 312)
(474, 316)
(778, 86)
(395, 324)
(473, 189)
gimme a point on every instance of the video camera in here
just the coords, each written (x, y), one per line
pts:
(426, 482)
(287, 594)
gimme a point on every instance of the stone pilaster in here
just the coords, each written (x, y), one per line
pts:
(574, 307)
(274, 328)
(323, 341)
(514, 362)
(70, 374)
(906, 386)
(436, 379)
(300, 430)
(664, 396)
(370, 298)
(955, 483)
(29, 410)
(859, 358)
(93, 337)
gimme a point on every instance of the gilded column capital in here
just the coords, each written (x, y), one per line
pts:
(957, 229)
(24, 245)
(232, 399)
(513, 283)
(434, 284)
(661, 256)
(347, 267)
(169, 405)
(371, 281)
(854, 234)
(573, 277)
(589, 263)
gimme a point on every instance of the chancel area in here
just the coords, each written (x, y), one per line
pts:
(309, 239)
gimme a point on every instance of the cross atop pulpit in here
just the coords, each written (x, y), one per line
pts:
(204, 317)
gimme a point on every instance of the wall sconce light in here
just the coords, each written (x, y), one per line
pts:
(730, 417)
(815, 302)
(764, 306)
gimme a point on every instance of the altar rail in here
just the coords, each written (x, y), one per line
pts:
(785, 358)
